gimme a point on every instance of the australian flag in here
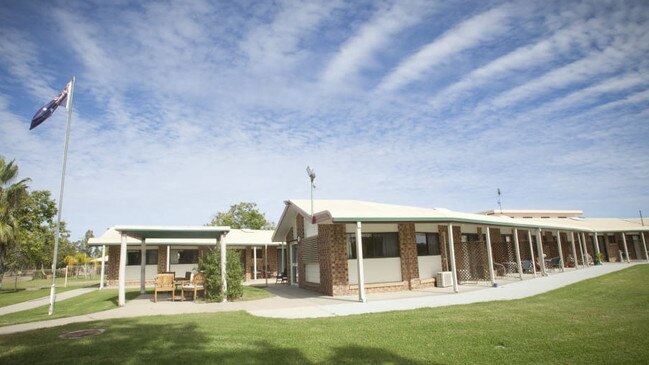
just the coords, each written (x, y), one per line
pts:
(48, 109)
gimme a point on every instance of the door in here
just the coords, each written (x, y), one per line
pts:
(294, 275)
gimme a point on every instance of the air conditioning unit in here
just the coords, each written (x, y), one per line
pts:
(444, 279)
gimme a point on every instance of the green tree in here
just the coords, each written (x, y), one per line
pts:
(36, 220)
(242, 215)
(12, 195)
(210, 265)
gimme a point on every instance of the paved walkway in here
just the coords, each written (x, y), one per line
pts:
(291, 302)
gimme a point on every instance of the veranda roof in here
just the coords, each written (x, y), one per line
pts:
(202, 236)
(350, 211)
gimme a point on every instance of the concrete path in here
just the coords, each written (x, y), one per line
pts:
(291, 302)
(35, 303)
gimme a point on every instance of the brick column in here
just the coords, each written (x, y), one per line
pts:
(112, 272)
(443, 247)
(162, 259)
(332, 250)
(408, 255)
(301, 266)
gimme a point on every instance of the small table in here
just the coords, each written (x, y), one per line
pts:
(179, 282)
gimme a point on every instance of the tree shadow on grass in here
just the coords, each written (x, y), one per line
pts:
(137, 342)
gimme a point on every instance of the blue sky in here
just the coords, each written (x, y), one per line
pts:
(183, 108)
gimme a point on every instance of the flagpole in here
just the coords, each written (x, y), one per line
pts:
(57, 231)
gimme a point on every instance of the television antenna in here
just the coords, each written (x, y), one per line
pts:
(499, 202)
(311, 173)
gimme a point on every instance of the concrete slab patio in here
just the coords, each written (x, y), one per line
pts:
(291, 302)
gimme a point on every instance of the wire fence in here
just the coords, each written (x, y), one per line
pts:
(78, 275)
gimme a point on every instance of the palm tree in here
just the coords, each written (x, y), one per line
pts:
(12, 195)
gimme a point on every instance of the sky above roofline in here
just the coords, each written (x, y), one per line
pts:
(184, 108)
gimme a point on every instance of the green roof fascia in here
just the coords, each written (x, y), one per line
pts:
(452, 220)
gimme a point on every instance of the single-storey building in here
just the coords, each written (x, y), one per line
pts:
(341, 247)
(260, 255)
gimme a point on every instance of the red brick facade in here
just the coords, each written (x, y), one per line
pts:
(332, 249)
(408, 255)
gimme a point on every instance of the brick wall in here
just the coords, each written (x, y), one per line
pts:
(112, 271)
(301, 266)
(443, 246)
(162, 259)
(408, 255)
(332, 249)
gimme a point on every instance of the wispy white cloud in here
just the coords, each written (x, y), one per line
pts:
(478, 29)
(183, 109)
(373, 36)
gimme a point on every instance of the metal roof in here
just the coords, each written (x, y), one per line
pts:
(161, 235)
(349, 211)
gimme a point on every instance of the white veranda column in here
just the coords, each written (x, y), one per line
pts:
(168, 266)
(121, 286)
(254, 263)
(359, 263)
(574, 249)
(560, 251)
(583, 243)
(142, 265)
(266, 263)
(539, 246)
(490, 258)
(582, 249)
(451, 253)
(596, 240)
(518, 255)
(644, 244)
(224, 276)
(103, 267)
(626, 251)
(529, 240)
(290, 263)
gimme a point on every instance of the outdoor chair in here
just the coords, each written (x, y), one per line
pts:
(164, 283)
(527, 265)
(555, 263)
(281, 278)
(499, 269)
(195, 285)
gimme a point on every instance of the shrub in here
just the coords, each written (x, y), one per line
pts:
(211, 267)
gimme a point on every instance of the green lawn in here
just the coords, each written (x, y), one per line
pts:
(8, 297)
(254, 293)
(603, 320)
(95, 301)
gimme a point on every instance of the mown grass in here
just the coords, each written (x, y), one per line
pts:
(95, 301)
(598, 321)
(254, 293)
(9, 297)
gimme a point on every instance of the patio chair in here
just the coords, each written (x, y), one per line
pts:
(499, 269)
(195, 285)
(164, 283)
(555, 263)
(527, 265)
(281, 277)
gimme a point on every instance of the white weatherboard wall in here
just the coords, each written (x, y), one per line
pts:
(384, 270)
(312, 272)
(429, 266)
(310, 229)
(133, 272)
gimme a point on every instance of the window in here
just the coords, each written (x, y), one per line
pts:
(260, 252)
(134, 257)
(375, 245)
(470, 237)
(506, 238)
(427, 244)
(184, 257)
